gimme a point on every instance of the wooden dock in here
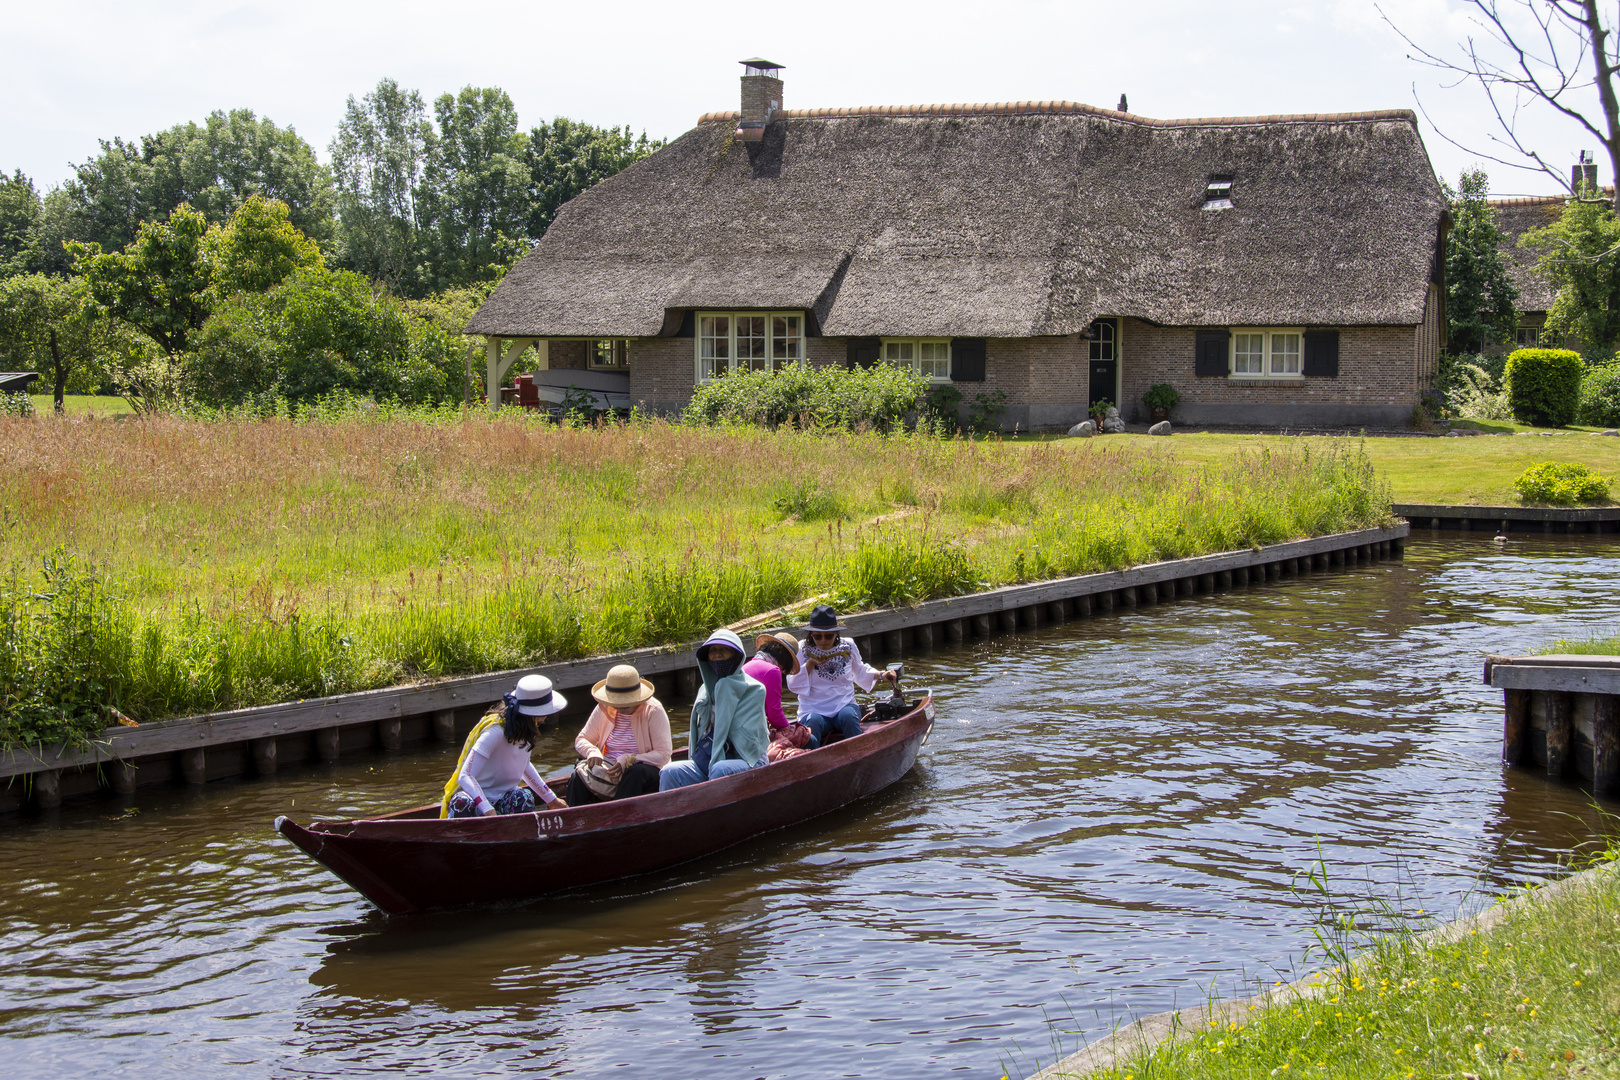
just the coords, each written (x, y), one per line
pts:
(1560, 716)
(260, 740)
(1512, 519)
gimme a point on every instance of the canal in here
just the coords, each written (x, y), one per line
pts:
(1110, 821)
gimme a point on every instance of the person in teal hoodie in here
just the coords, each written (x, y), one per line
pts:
(728, 733)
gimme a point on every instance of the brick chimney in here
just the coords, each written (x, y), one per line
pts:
(761, 98)
(1582, 173)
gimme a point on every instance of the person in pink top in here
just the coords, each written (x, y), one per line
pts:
(774, 660)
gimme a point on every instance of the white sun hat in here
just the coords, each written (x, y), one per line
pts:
(535, 697)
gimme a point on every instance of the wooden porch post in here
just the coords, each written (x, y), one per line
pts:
(497, 362)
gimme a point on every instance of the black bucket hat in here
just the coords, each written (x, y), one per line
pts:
(824, 620)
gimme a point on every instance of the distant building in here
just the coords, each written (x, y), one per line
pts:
(1514, 218)
(1275, 270)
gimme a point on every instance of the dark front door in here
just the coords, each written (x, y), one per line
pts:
(1102, 381)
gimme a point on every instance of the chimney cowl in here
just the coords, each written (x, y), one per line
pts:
(1583, 173)
(761, 97)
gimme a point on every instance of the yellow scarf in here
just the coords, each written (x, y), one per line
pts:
(493, 718)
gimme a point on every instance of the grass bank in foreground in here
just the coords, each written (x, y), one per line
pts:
(1537, 994)
(1476, 470)
(198, 565)
(1592, 646)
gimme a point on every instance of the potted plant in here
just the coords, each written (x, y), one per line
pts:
(1160, 399)
(1099, 410)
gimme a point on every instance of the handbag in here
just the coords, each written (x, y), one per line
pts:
(597, 779)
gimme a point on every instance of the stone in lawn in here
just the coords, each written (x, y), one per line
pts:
(1611, 431)
(1085, 429)
(1161, 428)
(1112, 424)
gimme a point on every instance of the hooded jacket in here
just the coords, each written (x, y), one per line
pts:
(732, 707)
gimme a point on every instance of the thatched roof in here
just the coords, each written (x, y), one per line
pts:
(994, 220)
(1514, 218)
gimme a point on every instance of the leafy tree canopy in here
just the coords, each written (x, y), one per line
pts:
(47, 324)
(19, 224)
(213, 167)
(158, 283)
(475, 191)
(377, 159)
(1480, 297)
(1581, 257)
(259, 248)
(565, 157)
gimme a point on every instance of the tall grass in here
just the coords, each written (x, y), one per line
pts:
(233, 562)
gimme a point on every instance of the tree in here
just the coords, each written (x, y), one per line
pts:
(213, 167)
(258, 249)
(474, 206)
(565, 157)
(1582, 260)
(19, 224)
(1560, 54)
(159, 283)
(47, 323)
(377, 158)
(1480, 296)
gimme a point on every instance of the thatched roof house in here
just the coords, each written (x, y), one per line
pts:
(1274, 269)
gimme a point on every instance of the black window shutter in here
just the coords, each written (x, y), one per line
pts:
(1210, 359)
(688, 325)
(967, 359)
(862, 351)
(1321, 354)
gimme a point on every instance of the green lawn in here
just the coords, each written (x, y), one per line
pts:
(1476, 469)
(82, 404)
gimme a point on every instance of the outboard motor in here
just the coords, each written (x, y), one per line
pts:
(895, 705)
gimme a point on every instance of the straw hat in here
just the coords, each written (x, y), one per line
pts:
(623, 686)
(787, 641)
(535, 697)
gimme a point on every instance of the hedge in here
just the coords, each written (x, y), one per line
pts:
(1544, 386)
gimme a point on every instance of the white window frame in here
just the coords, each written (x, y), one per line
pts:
(775, 341)
(1527, 337)
(915, 362)
(620, 348)
(1269, 356)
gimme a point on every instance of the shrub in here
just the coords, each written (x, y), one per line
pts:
(984, 415)
(1161, 396)
(16, 405)
(1544, 385)
(1600, 396)
(1559, 483)
(879, 397)
(1474, 393)
(809, 501)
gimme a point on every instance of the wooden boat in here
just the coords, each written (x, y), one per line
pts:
(413, 861)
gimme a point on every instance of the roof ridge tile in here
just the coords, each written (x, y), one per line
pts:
(1070, 108)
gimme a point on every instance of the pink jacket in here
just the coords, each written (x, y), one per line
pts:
(650, 725)
(766, 672)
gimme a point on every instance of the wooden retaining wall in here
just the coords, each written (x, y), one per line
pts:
(1560, 715)
(260, 740)
(1511, 519)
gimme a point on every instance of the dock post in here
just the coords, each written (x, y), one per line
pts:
(1605, 746)
(1126, 598)
(956, 631)
(1558, 732)
(326, 744)
(894, 643)
(444, 725)
(1082, 606)
(1515, 725)
(388, 733)
(981, 626)
(1009, 620)
(1105, 601)
(1055, 613)
(122, 774)
(923, 636)
(264, 756)
(194, 765)
(1223, 580)
(1033, 615)
(47, 789)
(686, 681)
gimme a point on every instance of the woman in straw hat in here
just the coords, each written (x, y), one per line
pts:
(624, 743)
(494, 774)
(776, 656)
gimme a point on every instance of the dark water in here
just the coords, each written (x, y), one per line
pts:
(1107, 823)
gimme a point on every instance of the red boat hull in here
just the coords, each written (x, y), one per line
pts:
(405, 865)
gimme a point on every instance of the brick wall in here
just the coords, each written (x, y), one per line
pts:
(567, 354)
(662, 373)
(1426, 352)
(1376, 385)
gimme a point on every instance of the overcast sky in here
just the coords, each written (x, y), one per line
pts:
(74, 71)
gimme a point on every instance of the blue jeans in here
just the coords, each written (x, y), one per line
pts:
(697, 768)
(847, 724)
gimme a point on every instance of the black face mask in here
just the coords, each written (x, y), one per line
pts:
(728, 666)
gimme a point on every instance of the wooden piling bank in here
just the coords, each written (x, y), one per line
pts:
(1560, 715)
(261, 740)
(1512, 519)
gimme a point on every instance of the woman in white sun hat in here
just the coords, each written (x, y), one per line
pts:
(624, 743)
(494, 774)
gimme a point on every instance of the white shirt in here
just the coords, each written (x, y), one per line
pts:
(496, 766)
(829, 688)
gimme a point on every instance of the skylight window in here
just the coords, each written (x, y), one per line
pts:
(1218, 195)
